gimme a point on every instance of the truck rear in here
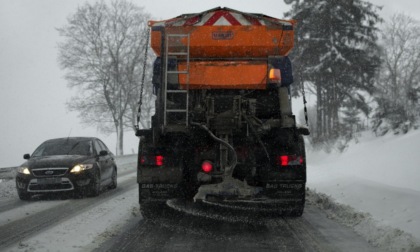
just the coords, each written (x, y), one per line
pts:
(223, 130)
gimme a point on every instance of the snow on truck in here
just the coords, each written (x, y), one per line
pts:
(223, 131)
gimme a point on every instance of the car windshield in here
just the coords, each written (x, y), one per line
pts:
(64, 147)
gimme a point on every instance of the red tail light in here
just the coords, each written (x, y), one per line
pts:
(286, 160)
(207, 166)
(152, 160)
(159, 160)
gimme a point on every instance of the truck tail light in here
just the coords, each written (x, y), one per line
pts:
(274, 75)
(285, 160)
(207, 166)
(157, 160)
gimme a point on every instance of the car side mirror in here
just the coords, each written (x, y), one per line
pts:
(26, 156)
(103, 153)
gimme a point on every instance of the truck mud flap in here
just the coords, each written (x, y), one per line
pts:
(284, 190)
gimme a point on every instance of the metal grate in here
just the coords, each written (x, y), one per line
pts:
(49, 172)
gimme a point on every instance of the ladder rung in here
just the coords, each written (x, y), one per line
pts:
(176, 91)
(178, 35)
(176, 128)
(178, 53)
(177, 72)
(176, 110)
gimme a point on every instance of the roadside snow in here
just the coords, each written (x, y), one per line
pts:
(379, 176)
(86, 231)
(7, 189)
(384, 237)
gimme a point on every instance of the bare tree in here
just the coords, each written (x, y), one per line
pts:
(399, 82)
(103, 55)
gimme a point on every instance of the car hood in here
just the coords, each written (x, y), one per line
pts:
(56, 161)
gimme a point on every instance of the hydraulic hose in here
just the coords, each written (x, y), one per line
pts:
(234, 158)
(256, 135)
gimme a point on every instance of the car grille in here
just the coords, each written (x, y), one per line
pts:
(36, 185)
(49, 172)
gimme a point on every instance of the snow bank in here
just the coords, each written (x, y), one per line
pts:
(7, 189)
(384, 237)
(379, 176)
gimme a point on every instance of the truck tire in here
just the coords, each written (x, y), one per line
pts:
(296, 199)
(299, 207)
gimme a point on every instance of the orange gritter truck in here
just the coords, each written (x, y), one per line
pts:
(223, 131)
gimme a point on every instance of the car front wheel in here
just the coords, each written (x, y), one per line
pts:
(24, 195)
(95, 185)
(113, 184)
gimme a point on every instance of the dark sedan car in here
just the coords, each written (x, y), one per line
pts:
(82, 165)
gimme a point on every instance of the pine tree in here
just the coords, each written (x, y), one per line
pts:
(351, 121)
(337, 53)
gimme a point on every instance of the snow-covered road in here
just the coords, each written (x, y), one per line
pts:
(176, 231)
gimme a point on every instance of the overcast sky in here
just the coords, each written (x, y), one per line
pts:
(33, 91)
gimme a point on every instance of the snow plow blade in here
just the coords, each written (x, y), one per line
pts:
(237, 198)
(238, 210)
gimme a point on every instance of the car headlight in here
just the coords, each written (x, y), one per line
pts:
(81, 167)
(23, 170)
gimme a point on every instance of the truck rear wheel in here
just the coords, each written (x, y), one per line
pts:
(292, 189)
(297, 210)
(299, 207)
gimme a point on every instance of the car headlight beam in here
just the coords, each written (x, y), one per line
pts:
(23, 170)
(81, 167)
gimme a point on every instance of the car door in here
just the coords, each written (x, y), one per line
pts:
(101, 160)
(108, 161)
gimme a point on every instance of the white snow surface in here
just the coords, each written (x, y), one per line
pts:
(373, 187)
(379, 176)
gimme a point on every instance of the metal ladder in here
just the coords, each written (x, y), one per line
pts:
(174, 94)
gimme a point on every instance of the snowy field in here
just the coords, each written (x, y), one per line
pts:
(373, 187)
